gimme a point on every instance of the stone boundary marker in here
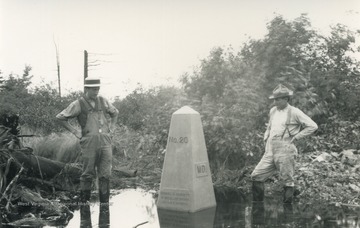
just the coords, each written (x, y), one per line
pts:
(186, 183)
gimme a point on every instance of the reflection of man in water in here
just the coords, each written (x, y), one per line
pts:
(273, 214)
(97, 118)
(287, 125)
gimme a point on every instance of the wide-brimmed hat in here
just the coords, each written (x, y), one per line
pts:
(91, 82)
(281, 91)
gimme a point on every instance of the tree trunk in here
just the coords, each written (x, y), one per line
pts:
(44, 168)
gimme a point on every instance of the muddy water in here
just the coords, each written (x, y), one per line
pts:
(137, 208)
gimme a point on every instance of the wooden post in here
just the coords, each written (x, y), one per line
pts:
(59, 82)
(85, 65)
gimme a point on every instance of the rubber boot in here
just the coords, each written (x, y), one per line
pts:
(104, 190)
(288, 194)
(85, 214)
(258, 191)
(104, 195)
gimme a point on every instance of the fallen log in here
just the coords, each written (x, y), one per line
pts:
(44, 168)
(47, 172)
(123, 172)
(51, 184)
(47, 169)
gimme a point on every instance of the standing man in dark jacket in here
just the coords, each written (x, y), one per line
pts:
(97, 118)
(287, 125)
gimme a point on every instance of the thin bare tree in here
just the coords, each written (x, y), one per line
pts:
(58, 66)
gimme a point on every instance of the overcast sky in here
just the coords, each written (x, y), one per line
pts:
(151, 42)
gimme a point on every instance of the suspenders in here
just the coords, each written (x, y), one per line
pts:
(287, 123)
(86, 108)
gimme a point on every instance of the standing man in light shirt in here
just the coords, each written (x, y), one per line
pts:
(97, 118)
(287, 125)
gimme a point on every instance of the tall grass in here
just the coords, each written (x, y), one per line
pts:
(63, 147)
(130, 148)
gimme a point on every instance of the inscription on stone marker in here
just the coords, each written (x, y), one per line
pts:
(201, 170)
(178, 139)
(175, 197)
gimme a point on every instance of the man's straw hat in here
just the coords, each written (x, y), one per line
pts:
(92, 82)
(281, 91)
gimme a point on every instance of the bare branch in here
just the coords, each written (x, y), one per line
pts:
(58, 65)
(106, 54)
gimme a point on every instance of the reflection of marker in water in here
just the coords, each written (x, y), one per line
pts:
(186, 183)
(182, 219)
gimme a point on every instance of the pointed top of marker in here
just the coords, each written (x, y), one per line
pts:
(185, 110)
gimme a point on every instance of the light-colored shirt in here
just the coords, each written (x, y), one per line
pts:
(278, 122)
(74, 109)
(300, 125)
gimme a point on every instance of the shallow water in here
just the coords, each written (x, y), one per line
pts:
(128, 208)
(137, 208)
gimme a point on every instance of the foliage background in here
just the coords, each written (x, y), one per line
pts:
(230, 90)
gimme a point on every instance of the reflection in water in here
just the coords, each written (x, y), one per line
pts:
(257, 215)
(127, 208)
(271, 215)
(176, 219)
(288, 216)
(85, 216)
(104, 216)
(136, 207)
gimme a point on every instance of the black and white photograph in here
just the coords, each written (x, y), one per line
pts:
(174, 114)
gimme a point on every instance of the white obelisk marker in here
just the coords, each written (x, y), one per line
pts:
(186, 183)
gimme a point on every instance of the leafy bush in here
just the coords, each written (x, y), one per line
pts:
(231, 89)
(37, 109)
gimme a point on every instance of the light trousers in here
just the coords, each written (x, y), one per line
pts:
(279, 156)
(97, 159)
